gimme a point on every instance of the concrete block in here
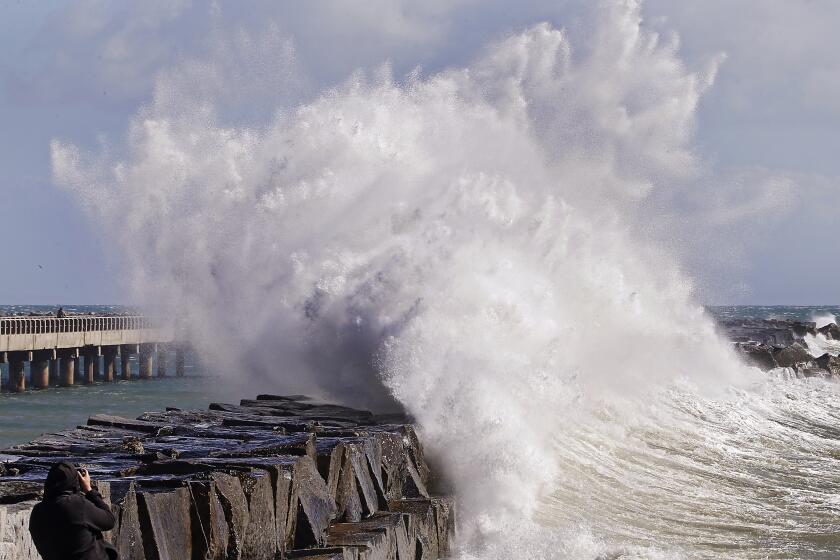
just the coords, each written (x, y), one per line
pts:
(261, 532)
(165, 524)
(313, 504)
(15, 542)
(127, 534)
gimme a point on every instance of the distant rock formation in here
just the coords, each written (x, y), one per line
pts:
(773, 343)
(770, 332)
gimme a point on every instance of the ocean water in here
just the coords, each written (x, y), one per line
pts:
(753, 475)
(820, 314)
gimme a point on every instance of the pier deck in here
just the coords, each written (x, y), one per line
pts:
(53, 347)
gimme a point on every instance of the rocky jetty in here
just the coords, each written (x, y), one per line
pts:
(774, 343)
(274, 477)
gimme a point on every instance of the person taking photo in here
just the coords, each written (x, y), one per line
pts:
(68, 523)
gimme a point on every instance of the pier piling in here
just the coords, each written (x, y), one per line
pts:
(125, 364)
(146, 358)
(17, 372)
(39, 370)
(88, 376)
(68, 371)
(108, 363)
(179, 361)
(161, 361)
(54, 362)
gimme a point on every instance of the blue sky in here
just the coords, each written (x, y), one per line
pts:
(759, 225)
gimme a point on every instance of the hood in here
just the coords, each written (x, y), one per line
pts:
(62, 478)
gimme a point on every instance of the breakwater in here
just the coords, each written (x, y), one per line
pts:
(272, 477)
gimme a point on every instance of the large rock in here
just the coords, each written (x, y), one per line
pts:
(15, 491)
(127, 423)
(831, 331)
(794, 356)
(329, 553)
(423, 526)
(829, 363)
(295, 444)
(336, 468)
(235, 507)
(757, 355)
(261, 531)
(129, 538)
(800, 329)
(445, 521)
(15, 543)
(383, 535)
(769, 332)
(210, 524)
(311, 507)
(165, 524)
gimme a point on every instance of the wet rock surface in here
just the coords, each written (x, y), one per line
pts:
(767, 332)
(774, 343)
(272, 477)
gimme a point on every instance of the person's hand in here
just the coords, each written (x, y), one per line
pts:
(84, 480)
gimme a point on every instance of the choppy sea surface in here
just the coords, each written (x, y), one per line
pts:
(791, 313)
(751, 474)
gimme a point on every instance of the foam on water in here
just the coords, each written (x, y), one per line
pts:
(823, 319)
(818, 345)
(748, 477)
(458, 242)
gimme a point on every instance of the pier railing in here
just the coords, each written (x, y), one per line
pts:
(45, 325)
(42, 333)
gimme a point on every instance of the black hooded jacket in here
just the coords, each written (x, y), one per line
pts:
(68, 525)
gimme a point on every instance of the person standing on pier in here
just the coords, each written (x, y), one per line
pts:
(69, 521)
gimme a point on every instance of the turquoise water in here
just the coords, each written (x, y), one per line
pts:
(24, 416)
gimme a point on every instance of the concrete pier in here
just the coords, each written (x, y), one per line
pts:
(39, 370)
(55, 347)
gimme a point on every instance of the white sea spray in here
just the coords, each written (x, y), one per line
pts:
(459, 242)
